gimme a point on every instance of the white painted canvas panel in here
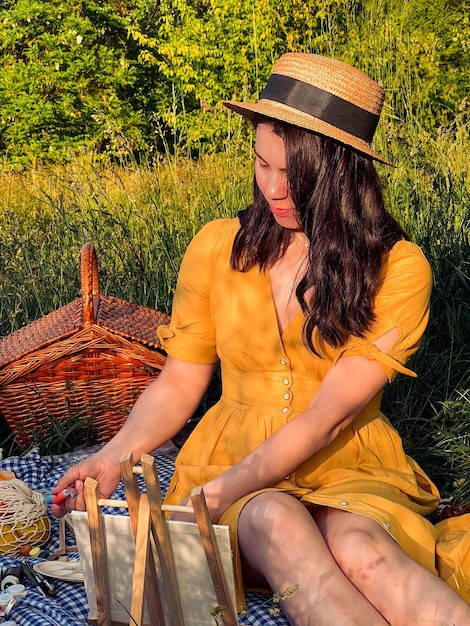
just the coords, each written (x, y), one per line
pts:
(194, 581)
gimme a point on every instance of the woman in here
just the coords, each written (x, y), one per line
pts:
(312, 300)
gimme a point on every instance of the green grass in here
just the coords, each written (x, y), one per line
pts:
(140, 220)
(430, 195)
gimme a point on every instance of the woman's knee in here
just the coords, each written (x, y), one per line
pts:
(269, 511)
(360, 546)
(262, 526)
(268, 519)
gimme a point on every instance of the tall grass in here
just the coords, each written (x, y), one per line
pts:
(430, 194)
(140, 220)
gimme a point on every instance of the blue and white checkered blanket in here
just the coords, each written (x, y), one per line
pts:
(69, 606)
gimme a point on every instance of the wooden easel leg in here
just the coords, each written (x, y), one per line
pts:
(141, 565)
(209, 543)
(62, 547)
(162, 539)
(149, 573)
(98, 553)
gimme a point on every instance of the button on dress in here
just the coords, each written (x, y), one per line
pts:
(268, 379)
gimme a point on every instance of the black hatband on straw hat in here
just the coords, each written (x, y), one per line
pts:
(326, 106)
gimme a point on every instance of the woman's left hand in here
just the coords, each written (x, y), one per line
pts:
(214, 503)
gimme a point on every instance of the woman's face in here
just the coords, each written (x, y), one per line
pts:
(271, 176)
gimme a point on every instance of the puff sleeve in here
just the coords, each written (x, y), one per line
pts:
(402, 302)
(190, 335)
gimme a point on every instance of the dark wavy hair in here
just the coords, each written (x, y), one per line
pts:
(338, 197)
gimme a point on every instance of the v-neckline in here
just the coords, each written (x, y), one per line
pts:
(281, 332)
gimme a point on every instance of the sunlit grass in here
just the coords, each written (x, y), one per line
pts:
(140, 220)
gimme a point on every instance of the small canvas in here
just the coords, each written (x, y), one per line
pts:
(194, 581)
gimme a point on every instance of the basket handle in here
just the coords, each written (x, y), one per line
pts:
(90, 282)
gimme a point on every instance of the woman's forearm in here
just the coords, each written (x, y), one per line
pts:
(161, 410)
(345, 391)
(277, 457)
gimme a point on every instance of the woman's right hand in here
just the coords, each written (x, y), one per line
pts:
(103, 469)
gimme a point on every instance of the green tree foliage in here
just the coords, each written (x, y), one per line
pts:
(211, 50)
(122, 77)
(67, 78)
(419, 50)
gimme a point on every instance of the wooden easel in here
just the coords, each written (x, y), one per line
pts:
(154, 581)
(62, 549)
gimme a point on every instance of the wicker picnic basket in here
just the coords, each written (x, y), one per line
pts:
(88, 360)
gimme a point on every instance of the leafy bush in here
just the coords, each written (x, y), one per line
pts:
(67, 79)
(127, 79)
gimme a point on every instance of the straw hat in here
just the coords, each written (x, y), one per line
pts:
(323, 95)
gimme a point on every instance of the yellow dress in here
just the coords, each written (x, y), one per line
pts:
(268, 379)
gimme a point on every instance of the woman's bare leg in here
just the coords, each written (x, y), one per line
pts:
(279, 540)
(400, 588)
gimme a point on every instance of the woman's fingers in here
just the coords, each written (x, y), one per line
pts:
(76, 501)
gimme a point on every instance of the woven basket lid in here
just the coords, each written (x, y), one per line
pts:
(134, 322)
